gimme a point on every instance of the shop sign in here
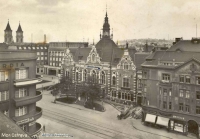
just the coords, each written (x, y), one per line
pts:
(25, 121)
(10, 65)
(178, 117)
(32, 123)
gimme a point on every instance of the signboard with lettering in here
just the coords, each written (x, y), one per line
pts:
(11, 65)
(178, 117)
(94, 67)
(25, 121)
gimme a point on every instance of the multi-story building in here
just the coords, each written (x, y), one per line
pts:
(56, 53)
(171, 87)
(18, 95)
(40, 48)
(106, 64)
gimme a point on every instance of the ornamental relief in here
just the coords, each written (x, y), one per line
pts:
(68, 58)
(126, 63)
(93, 56)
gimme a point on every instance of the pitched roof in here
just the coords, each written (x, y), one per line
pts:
(19, 28)
(80, 53)
(185, 45)
(8, 27)
(108, 50)
(166, 56)
(140, 58)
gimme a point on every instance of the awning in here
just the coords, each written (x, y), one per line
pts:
(150, 118)
(162, 121)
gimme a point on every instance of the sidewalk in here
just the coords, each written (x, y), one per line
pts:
(137, 124)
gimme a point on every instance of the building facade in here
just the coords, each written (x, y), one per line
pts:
(171, 87)
(105, 63)
(18, 95)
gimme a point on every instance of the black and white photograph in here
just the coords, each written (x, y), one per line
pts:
(99, 69)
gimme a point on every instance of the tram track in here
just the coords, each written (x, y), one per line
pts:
(86, 126)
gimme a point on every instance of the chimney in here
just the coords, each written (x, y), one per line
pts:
(45, 38)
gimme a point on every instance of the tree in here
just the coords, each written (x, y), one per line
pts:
(65, 87)
(90, 88)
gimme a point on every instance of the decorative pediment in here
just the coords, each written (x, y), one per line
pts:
(126, 62)
(93, 56)
(191, 65)
(68, 58)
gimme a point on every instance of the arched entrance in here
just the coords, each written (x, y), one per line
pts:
(193, 127)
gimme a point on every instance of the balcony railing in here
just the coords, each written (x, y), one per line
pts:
(23, 82)
(28, 117)
(28, 99)
(37, 131)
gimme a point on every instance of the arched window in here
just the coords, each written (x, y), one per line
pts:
(76, 76)
(93, 58)
(119, 95)
(93, 76)
(113, 80)
(103, 78)
(126, 65)
(85, 75)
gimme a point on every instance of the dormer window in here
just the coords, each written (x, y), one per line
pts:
(125, 65)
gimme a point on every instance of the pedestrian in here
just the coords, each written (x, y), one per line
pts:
(43, 128)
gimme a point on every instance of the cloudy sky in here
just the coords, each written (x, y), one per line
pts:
(73, 20)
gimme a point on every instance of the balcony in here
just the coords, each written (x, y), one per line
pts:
(165, 83)
(37, 131)
(28, 117)
(4, 105)
(28, 99)
(24, 82)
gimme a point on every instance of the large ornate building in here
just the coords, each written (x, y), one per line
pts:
(171, 87)
(105, 63)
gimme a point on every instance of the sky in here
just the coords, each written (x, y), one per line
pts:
(82, 20)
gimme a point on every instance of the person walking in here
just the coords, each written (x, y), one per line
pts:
(43, 128)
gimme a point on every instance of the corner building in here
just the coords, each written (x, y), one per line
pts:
(18, 95)
(171, 87)
(106, 64)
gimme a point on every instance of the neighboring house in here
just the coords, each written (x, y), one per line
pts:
(171, 87)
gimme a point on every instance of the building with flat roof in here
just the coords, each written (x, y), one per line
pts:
(18, 95)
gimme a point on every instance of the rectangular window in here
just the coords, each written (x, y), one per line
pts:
(45, 58)
(170, 92)
(59, 59)
(164, 105)
(180, 106)
(125, 82)
(21, 74)
(38, 53)
(197, 94)
(144, 75)
(187, 94)
(187, 108)
(42, 53)
(197, 110)
(3, 76)
(197, 80)
(181, 79)
(20, 111)
(53, 58)
(180, 93)
(187, 79)
(50, 63)
(170, 105)
(4, 95)
(22, 92)
(56, 59)
(42, 58)
(165, 77)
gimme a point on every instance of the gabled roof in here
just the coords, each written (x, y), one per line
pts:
(185, 45)
(19, 28)
(80, 53)
(8, 27)
(140, 58)
(167, 56)
(186, 62)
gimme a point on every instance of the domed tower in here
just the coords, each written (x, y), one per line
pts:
(8, 34)
(106, 28)
(19, 35)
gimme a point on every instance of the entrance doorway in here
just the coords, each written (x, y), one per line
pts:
(193, 127)
(52, 72)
